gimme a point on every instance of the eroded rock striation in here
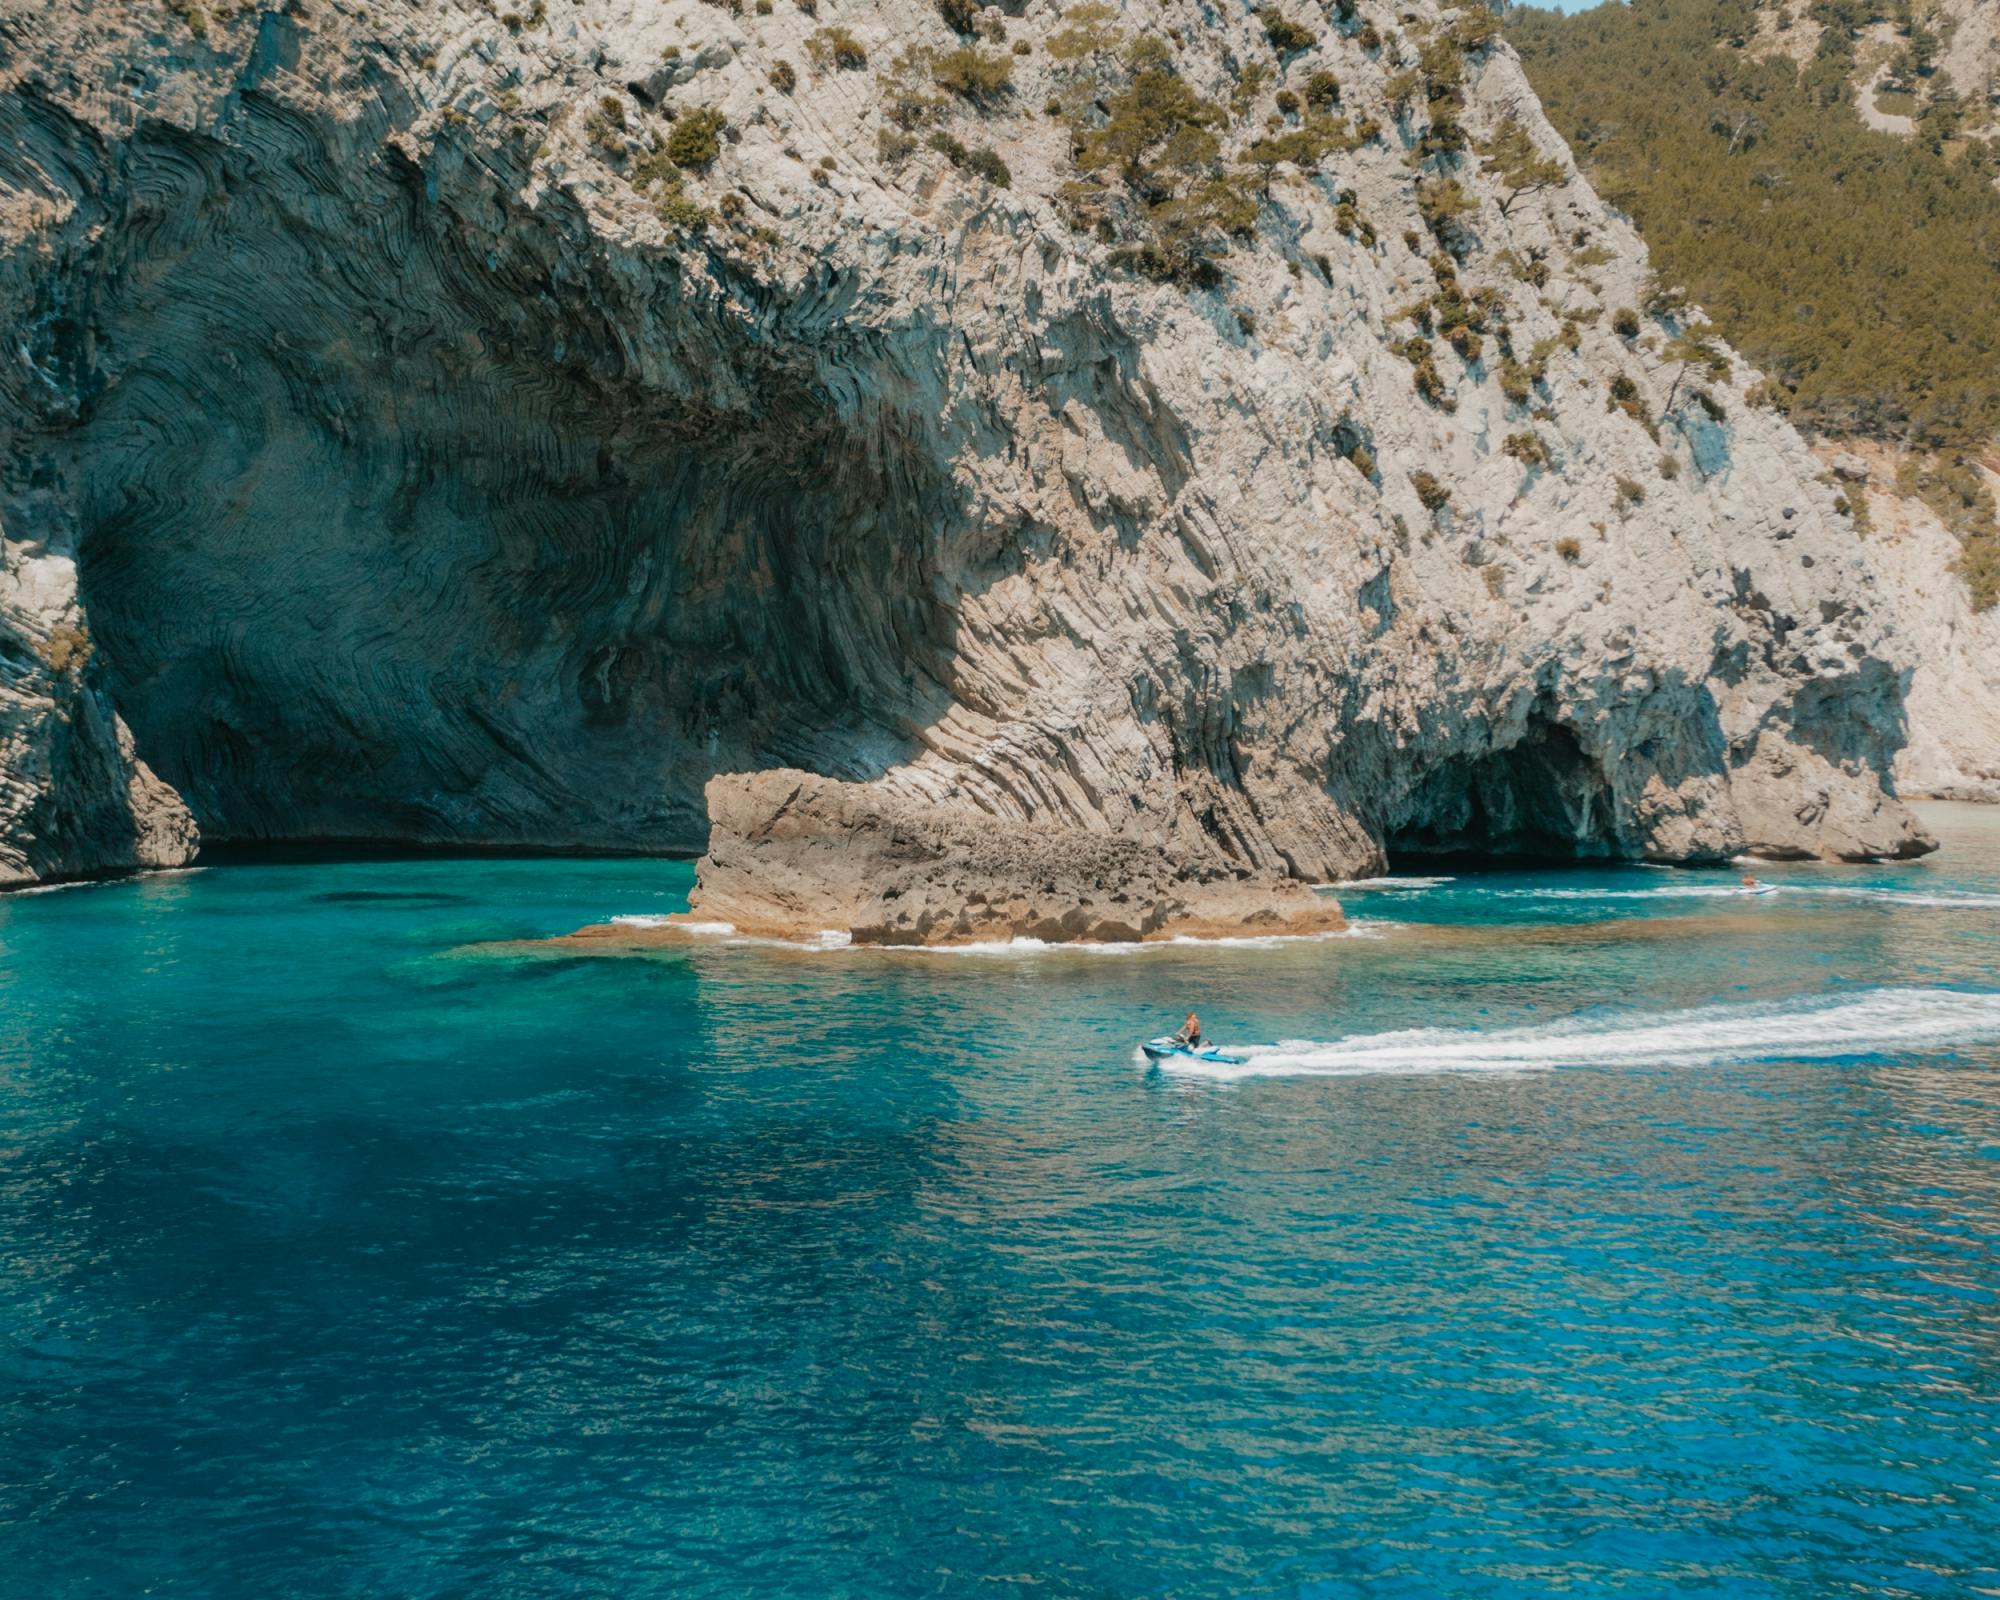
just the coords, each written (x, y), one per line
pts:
(440, 457)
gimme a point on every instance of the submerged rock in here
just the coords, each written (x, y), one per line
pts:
(434, 471)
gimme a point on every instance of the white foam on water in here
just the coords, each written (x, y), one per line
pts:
(1878, 1021)
(714, 930)
(1387, 883)
(829, 939)
(1948, 900)
(1130, 947)
(104, 882)
(1692, 891)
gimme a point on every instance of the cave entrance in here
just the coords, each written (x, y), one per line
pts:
(433, 553)
(1540, 798)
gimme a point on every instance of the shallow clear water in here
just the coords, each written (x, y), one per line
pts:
(1593, 1232)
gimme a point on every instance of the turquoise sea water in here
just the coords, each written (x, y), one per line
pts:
(1586, 1233)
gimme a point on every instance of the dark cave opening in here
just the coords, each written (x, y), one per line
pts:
(1541, 798)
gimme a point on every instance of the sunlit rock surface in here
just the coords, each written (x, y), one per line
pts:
(420, 483)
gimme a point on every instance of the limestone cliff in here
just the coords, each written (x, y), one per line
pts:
(1953, 748)
(448, 449)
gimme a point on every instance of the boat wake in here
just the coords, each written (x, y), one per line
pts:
(1691, 891)
(1877, 1022)
(1952, 900)
(1947, 900)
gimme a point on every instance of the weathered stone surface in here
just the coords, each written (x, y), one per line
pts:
(422, 483)
(74, 797)
(791, 854)
(1953, 748)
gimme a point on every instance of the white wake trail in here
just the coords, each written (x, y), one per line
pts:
(1880, 1021)
(1689, 891)
(1943, 899)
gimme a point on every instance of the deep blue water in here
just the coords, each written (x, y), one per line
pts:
(1580, 1233)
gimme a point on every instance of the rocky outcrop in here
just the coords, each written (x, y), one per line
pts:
(1953, 748)
(791, 855)
(430, 474)
(75, 799)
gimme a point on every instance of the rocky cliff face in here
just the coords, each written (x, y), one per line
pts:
(392, 446)
(1953, 748)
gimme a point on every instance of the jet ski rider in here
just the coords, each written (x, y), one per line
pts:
(1190, 1034)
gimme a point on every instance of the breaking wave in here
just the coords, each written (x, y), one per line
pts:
(1878, 1022)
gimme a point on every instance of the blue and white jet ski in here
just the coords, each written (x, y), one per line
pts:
(1165, 1049)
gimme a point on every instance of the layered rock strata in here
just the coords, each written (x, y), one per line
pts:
(430, 474)
(794, 856)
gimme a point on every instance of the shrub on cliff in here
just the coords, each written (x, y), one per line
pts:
(1444, 204)
(605, 126)
(1159, 138)
(983, 162)
(1089, 30)
(1303, 147)
(1434, 495)
(784, 77)
(1953, 487)
(973, 73)
(696, 137)
(65, 647)
(1443, 140)
(1512, 156)
(1624, 396)
(1425, 377)
(1475, 31)
(676, 208)
(1347, 218)
(1155, 130)
(837, 47)
(1287, 36)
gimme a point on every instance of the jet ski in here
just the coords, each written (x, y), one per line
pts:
(1167, 1048)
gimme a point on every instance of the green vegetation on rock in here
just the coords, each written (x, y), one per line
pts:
(1858, 268)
